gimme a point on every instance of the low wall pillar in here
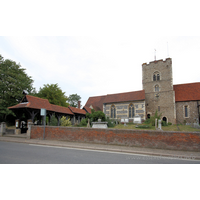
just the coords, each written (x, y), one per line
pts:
(3, 129)
(29, 130)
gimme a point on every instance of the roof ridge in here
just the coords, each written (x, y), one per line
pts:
(187, 83)
(126, 92)
(37, 97)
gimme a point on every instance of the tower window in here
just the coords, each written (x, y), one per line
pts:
(157, 88)
(156, 76)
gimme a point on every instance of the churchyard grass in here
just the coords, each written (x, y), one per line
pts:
(183, 128)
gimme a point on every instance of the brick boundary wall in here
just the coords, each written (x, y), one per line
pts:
(189, 141)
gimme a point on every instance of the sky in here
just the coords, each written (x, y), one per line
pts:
(93, 49)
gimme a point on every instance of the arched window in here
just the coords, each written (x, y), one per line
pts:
(157, 88)
(113, 112)
(131, 111)
(156, 76)
(186, 111)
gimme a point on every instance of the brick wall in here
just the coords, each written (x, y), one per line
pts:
(140, 138)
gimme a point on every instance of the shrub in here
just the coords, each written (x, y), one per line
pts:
(169, 123)
(65, 122)
(164, 123)
(143, 126)
(83, 122)
(148, 121)
(54, 121)
(111, 123)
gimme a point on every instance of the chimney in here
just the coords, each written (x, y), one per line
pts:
(79, 104)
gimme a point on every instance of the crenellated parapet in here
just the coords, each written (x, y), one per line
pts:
(158, 61)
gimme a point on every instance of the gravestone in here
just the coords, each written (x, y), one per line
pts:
(159, 125)
(124, 120)
(137, 119)
(156, 123)
(99, 124)
(88, 125)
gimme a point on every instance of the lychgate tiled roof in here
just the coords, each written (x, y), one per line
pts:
(187, 92)
(61, 109)
(34, 103)
(38, 103)
(77, 110)
(89, 110)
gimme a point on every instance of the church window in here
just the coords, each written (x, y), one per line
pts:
(131, 111)
(113, 112)
(186, 111)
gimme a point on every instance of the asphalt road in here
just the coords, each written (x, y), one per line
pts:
(18, 153)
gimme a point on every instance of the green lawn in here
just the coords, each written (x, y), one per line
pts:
(183, 128)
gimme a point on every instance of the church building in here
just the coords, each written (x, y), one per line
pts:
(176, 103)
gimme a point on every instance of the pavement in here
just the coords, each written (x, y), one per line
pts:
(103, 147)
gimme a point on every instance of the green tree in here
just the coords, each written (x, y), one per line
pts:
(13, 81)
(152, 118)
(95, 115)
(54, 94)
(73, 100)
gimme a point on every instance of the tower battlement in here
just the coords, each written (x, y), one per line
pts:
(157, 61)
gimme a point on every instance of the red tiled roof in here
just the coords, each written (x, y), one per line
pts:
(96, 102)
(187, 92)
(33, 102)
(77, 110)
(89, 110)
(38, 103)
(61, 109)
(123, 97)
(96, 108)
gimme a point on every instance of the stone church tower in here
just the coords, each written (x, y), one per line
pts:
(158, 85)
